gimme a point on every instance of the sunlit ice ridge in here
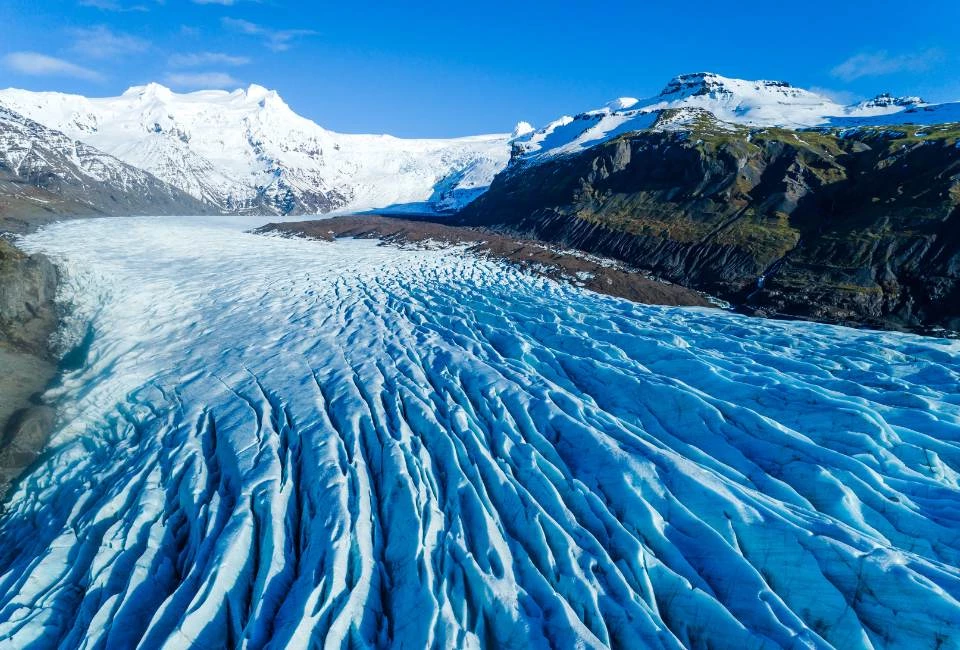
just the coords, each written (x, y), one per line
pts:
(282, 443)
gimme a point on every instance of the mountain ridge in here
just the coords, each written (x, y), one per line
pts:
(45, 174)
(760, 103)
(247, 151)
(709, 184)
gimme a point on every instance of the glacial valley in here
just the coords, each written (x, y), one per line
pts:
(287, 443)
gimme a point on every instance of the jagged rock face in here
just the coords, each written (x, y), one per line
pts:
(858, 228)
(27, 287)
(706, 83)
(883, 245)
(663, 199)
(28, 317)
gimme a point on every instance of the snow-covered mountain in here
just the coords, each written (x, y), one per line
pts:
(737, 101)
(43, 170)
(246, 150)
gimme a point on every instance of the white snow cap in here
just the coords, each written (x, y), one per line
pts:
(256, 91)
(621, 103)
(247, 146)
(238, 148)
(759, 103)
(522, 128)
(152, 88)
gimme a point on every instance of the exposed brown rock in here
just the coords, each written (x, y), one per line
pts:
(614, 280)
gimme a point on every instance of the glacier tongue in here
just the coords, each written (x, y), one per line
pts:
(285, 443)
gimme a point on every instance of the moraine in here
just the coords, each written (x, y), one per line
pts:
(290, 443)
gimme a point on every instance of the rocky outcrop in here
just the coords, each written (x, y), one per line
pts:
(28, 318)
(28, 286)
(858, 226)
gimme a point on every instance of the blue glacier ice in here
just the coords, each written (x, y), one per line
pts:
(281, 443)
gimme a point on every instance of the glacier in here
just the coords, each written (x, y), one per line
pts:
(282, 443)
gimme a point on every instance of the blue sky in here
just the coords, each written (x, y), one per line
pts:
(456, 68)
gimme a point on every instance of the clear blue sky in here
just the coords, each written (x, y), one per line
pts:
(456, 68)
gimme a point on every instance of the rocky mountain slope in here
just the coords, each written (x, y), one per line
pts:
(28, 318)
(855, 225)
(45, 174)
(247, 151)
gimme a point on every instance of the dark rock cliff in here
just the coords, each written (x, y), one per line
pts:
(860, 226)
(28, 285)
(28, 317)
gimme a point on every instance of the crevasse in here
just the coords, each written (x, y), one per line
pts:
(288, 444)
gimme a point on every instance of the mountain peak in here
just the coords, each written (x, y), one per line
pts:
(522, 129)
(150, 89)
(253, 92)
(245, 150)
(710, 83)
(695, 83)
(256, 91)
(263, 97)
(622, 103)
(886, 100)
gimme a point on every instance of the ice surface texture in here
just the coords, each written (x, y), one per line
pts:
(284, 443)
